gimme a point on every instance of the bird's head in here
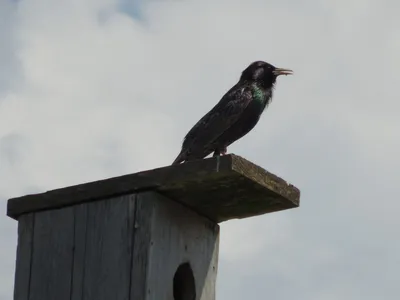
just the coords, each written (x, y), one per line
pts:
(264, 73)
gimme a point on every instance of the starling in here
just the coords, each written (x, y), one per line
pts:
(234, 115)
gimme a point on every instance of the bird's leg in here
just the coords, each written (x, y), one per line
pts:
(224, 151)
(219, 152)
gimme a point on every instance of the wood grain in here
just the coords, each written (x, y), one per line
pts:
(24, 257)
(52, 255)
(108, 249)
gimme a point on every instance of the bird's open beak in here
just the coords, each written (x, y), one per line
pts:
(281, 71)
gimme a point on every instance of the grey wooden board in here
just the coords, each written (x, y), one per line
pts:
(24, 253)
(179, 235)
(52, 258)
(108, 249)
(78, 269)
(141, 252)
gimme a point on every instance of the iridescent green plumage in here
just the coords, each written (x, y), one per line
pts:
(258, 93)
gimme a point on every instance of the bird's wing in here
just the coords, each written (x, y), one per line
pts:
(223, 115)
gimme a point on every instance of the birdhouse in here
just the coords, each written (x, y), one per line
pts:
(152, 235)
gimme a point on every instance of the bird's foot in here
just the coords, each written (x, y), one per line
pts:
(224, 151)
(220, 152)
(216, 153)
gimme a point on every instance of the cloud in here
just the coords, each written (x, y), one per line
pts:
(90, 90)
(8, 61)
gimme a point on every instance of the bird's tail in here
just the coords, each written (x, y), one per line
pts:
(180, 158)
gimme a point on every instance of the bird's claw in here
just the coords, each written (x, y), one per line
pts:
(220, 152)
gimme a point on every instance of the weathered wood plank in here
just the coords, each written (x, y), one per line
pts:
(52, 258)
(220, 188)
(179, 235)
(142, 244)
(108, 250)
(24, 257)
(78, 270)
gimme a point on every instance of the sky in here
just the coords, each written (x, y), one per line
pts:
(99, 88)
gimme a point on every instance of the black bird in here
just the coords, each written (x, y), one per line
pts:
(234, 115)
